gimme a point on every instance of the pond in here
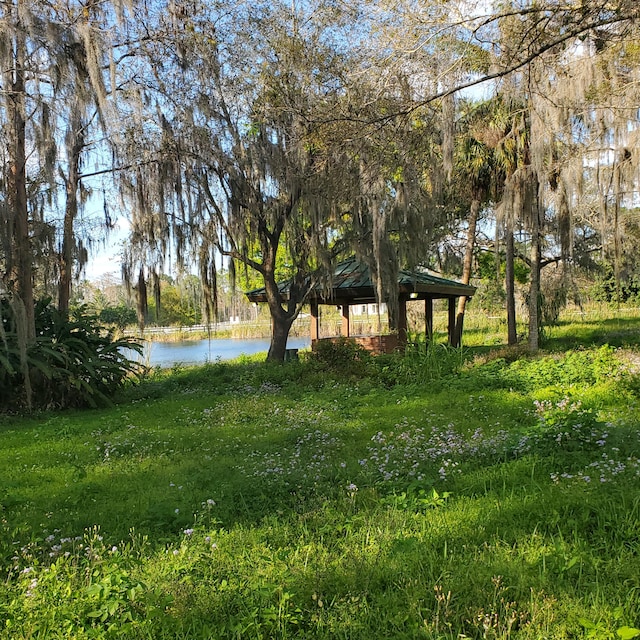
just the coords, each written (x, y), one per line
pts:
(187, 352)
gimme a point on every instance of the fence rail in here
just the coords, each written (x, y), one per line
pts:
(214, 327)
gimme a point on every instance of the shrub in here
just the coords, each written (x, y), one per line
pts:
(525, 374)
(490, 296)
(342, 355)
(73, 361)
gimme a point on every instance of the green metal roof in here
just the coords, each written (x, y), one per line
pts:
(351, 283)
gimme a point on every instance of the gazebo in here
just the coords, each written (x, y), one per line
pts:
(352, 285)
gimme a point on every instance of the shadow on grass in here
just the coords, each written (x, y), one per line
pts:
(616, 332)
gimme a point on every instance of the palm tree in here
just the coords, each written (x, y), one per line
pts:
(476, 167)
(512, 156)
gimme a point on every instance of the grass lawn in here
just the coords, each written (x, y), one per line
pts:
(466, 494)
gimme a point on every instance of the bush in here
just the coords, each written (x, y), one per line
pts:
(73, 361)
(342, 355)
(606, 289)
(490, 296)
(582, 367)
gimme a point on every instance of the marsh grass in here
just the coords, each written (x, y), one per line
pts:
(496, 497)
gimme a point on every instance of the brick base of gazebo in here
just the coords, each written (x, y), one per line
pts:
(387, 343)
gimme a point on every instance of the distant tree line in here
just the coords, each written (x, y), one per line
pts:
(179, 302)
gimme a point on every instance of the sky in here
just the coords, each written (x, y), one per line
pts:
(105, 258)
(105, 261)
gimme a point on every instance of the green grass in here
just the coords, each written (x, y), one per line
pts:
(487, 497)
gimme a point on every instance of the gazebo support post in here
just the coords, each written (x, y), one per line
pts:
(452, 321)
(345, 321)
(402, 322)
(315, 322)
(428, 318)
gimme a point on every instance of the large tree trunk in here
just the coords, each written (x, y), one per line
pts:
(280, 326)
(18, 274)
(474, 210)
(19, 263)
(616, 234)
(534, 290)
(282, 316)
(66, 254)
(70, 214)
(512, 334)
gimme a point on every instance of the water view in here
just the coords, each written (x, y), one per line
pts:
(187, 352)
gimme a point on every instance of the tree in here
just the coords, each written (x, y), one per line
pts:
(80, 107)
(275, 131)
(529, 53)
(479, 176)
(54, 91)
(250, 166)
(52, 58)
(14, 58)
(581, 104)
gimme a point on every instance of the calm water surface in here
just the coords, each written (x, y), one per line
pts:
(166, 354)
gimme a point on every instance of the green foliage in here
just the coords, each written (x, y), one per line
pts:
(121, 316)
(600, 631)
(417, 499)
(247, 500)
(176, 307)
(490, 295)
(249, 279)
(108, 601)
(341, 355)
(73, 361)
(581, 367)
(486, 267)
(606, 289)
(422, 363)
